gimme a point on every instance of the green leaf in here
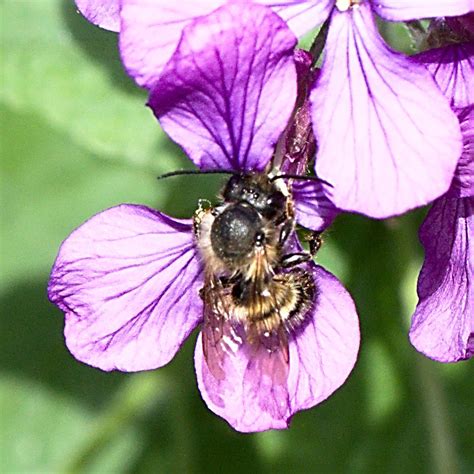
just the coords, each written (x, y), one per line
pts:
(50, 186)
(41, 430)
(58, 66)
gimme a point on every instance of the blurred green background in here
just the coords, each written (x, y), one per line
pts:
(76, 138)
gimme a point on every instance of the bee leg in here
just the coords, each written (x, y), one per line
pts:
(285, 232)
(315, 241)
(203, 206)
(293, 259)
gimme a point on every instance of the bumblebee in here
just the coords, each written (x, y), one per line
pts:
(254, 292)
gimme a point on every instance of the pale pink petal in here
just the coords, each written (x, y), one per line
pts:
(388, 140)
(128, 281)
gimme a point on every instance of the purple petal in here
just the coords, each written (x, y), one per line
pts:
(151, 29)
(313, 209)
(388, 141)
(401, 10)
(245, 384)
(463, 182)
(150, 33)
(103, 13)
(251, 393)
(453, 70)
(128, 281)
(220, 96)
(443, 324)
(325, 352)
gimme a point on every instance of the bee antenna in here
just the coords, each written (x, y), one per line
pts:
(300, 177)
(187, 172)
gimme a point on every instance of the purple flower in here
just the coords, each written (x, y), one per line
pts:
(130, 279)
(453, 68)
(451, 62)
(443, 324)
(387, 140)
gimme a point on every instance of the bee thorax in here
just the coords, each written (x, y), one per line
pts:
(236, 232)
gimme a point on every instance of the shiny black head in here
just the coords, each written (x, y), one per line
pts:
(257, 191)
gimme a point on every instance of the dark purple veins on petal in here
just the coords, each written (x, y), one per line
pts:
(128, 280)
(443, 322)
(220, 96)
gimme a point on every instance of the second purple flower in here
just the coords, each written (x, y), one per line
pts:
(387, 139)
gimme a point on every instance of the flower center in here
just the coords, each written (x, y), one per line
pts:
(344, 5)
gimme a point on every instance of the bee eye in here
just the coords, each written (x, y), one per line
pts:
(234, 181)
(232, 188)
(276, 200)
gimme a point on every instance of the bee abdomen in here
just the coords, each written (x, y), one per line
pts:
(296, 315)
(285, 301)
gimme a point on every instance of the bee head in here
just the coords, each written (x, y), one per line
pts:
(257, 191)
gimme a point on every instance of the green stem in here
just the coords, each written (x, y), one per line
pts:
(183, 435)
(138, 394)
(443, 450)
(319, 42)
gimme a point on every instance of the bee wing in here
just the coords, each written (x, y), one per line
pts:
(243, 376)
(266, 374)
(220, 338)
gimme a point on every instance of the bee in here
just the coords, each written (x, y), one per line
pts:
(255, 295)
